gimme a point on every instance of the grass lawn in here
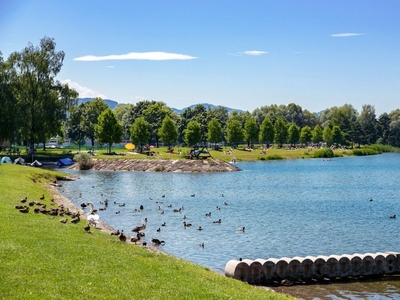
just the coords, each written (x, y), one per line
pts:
(182, 152)
(42, 258)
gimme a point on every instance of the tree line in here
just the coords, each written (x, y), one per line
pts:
(35, 106)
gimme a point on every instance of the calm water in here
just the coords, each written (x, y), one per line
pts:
(289, 208)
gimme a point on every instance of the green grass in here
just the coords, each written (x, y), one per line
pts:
(239, 154)
(41, 258)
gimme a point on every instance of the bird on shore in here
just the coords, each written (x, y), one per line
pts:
(92, 217)
(158, 242)
(122, 236)
(87, 228)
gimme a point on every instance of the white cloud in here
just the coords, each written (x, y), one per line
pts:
(254, 52)
(249, 52)
(84, 92)
(110, 67)
(346, 34)
(137, 56)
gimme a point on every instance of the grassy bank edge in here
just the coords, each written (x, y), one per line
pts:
(43, 258)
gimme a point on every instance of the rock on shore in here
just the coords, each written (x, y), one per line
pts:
(148, 165)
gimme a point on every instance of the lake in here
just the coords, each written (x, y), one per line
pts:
(288, 208)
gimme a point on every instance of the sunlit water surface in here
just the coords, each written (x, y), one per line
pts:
(288, 208)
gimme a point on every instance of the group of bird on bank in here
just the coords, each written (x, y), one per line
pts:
(93, 218)
(40, 207)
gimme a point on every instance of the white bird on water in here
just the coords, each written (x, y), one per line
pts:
(92, 217)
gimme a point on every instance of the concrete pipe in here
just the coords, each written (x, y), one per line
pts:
(306, 270)
(332, 264)
(391, 265)
(282, 267)
(344, 266)
(380, 263)
(368, 264)
(356, 265)
(320, 267)
(294, 269)
(255, 274)
(269, 269)
(237, 269)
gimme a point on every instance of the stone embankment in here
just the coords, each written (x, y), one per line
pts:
(149, 165)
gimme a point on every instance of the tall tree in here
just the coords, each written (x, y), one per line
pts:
(108, 130)
(383, 128)
(220, 113)
(193, 133)
(93, 110)
(337, 135)
(293, 134)
(154, 114)
(266, 132)
(214, 131)
(280, 130)
(9, 112)
(250, 131)
(120, 111)
(234, 131)
(305, 135)
(327, 135)
(42, 101)
(140, 132)
(168, 132)
(294, 114)
(317, 136)
(367, 120)
(74, 125)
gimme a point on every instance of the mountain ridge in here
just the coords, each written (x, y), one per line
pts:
(112, 104)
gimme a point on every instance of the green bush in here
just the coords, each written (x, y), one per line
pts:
(383, 148)
(323, 153)
(366, 151)
(84, 160)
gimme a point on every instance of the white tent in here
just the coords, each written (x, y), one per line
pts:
(19, 161)
(6, 160)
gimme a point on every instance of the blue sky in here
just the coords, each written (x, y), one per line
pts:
(240, 54)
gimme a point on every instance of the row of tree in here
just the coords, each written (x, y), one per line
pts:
(35, 106)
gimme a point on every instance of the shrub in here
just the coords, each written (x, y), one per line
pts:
(366, 151)
(84, 160)
(323, 153)
(383, 148)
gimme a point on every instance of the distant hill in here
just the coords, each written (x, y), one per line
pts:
(112, 104)
(206, 105)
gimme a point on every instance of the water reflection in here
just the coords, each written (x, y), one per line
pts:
(289, 208)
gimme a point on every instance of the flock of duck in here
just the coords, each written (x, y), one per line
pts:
(41, 207)
(138, 231)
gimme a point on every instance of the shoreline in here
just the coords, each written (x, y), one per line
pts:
(102, 226)
(149, 165)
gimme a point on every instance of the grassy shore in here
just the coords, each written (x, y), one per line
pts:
(224, 153)
(42, 258)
